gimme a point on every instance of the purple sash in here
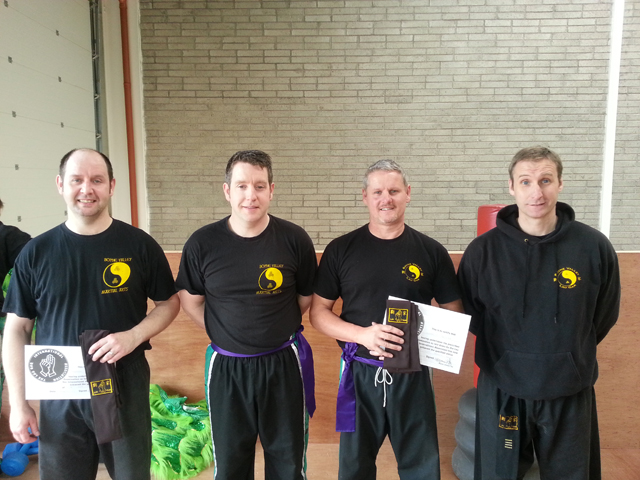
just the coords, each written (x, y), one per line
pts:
(306, 364)
(346, 405)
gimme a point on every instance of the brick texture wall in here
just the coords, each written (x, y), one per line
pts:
(449, 89)
(625, 222)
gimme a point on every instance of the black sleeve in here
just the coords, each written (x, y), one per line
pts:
(608, 303)
(307, 265)
(160, 284)
(468, 281)
(327, 282)
(12, 240)
(189, 274)
(14, 244)
(446, 287)
(20, 294)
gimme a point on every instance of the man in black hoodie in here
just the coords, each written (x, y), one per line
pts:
(543, 290)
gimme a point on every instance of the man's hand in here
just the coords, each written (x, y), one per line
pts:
(22, 418)
(379, 339)
(113, 347)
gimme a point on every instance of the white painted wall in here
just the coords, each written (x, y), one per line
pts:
(46, 104)
(115, 108)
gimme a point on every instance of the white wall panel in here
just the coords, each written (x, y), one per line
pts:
(46, 104)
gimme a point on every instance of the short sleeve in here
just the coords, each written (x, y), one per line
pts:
(190, 274)
(308, 264)
(327, 283)
(446, 288)
(160, 284)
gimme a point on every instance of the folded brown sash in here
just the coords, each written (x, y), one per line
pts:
(103, 382)
(403, 314)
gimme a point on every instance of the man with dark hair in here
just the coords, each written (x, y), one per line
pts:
(543, 290)
(247, 279)
(67, 156)
(364, 267)
(256, 158)
(90, 273)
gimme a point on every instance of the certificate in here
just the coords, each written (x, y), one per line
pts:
(442, 335)
(54, 373)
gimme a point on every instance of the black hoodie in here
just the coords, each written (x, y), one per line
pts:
(540, 305)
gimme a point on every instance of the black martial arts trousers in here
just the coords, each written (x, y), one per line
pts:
(563, 432)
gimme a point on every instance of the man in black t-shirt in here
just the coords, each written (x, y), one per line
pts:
(247, 279)
(90, 273)
(364, 267)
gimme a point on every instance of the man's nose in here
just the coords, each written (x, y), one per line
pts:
(536, 190)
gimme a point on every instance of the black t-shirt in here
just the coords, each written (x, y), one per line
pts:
(364, 270)
(250, 285)
(73, 282)
(12, 240)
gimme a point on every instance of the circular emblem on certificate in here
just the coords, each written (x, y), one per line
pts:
(48, 365)
(420, 321)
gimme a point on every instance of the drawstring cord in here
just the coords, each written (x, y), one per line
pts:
(385, 379)
(526, 278)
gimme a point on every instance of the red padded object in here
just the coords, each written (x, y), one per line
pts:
(486, 221)
(487, 217)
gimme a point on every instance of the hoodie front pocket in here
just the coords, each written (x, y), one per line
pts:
(537, 376)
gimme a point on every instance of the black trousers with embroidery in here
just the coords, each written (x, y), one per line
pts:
(409, 419)
(563, 433)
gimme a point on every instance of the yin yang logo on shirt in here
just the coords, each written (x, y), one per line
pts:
(116, 274)
(270, 279)
(412, 271)
(567, 278)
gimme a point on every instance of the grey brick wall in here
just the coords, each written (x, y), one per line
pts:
(449, 89)
(625, 224)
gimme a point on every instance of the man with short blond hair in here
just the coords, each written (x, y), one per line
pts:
(385, 257)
